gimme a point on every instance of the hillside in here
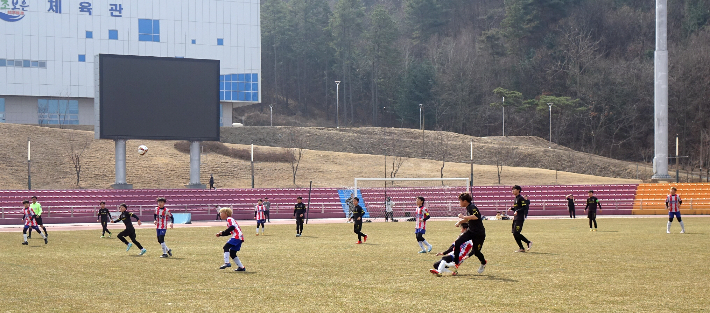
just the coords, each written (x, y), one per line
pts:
(165, 167)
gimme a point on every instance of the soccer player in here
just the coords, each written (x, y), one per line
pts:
(299, 212)
(389, 206)
(421, 215)
(28, 217)
(592, 203)
(259, 216)
(570, 206)
(234, 243)
(129, 232)
(358, 213)
(37, 209)
(267, 207)
(673, 203)
(104, 216)
(161, 222)
(442, 266)
(520, 208)
(475, 232)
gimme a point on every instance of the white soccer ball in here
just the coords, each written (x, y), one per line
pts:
(142, 149)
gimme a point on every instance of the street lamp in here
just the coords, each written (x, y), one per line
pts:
(420, 116)
(503, 116)
(550, 106)
(271, 110)
(337, 104)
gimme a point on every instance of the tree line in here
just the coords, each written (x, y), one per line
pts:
(587, 63)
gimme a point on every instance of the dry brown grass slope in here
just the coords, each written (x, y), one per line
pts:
(165, 167)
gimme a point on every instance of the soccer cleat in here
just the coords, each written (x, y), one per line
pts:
(164, 255)
(102, 236)
(429, 250)
(225, 265)
(257, 234)
(682, 231)
(45, 240)
(298, 235)
(129, 246)
(595, 229)
(25, 243)
(170, 252)
(143, 251)
(454, 273)
(529, 245)
(482, 267)
(240, 269)
(423, 251)
(358, 242)
(520, 250)
(364, 239)
(457, 266)
(591, 229)
(109, 235)
(435, 272)
(668, 231)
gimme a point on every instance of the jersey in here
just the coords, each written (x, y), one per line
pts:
(420, 214)
(520, 208)
(161, 216)
(36, 208)
(299, 208)
(570, 203)
(237, 231)
(104, 214)
(475, 226)
(259, 212)
(592, 203)
(125, 217)
(465, 250)
(673, 203)
(29, 220)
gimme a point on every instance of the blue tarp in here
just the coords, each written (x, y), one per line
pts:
(345, 195)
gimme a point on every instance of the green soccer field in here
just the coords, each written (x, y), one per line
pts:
(630, 265)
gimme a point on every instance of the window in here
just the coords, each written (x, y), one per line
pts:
(148, 30)
(220, 41)
(26, 63)
(113, 34)
(58, 112)
(82, 58)
(35, 63)
(89, 34)
(42, 64)
(2, 111)
(239, 87)
(194, 41)
(2, 62)
(221, 124)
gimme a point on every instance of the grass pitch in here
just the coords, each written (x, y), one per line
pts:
(630, 264)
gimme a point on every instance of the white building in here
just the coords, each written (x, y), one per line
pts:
(47, 50)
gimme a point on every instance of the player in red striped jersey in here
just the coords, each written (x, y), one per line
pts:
(235, 242)
(161, 222)
(441, 266)
(673, 203)
(30, 223)
(421, 215)
(260, 216)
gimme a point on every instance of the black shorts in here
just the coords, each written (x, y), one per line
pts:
(517, 226)
(38, 219)
(592, 215)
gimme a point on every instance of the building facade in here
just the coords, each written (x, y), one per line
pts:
(48, 47)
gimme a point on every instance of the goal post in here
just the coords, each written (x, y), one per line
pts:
(441, 196)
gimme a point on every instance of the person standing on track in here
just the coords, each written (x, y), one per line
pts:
(570, 206)
(299, 212)
(161, 222)
(592, 204)
(673, 203)
(129, 232)
(267, 207)
(389, 206)
(104, 217)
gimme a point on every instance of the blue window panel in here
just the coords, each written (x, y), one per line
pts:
(42, 103)
(52, 106)
(233, 77)
(240, 96)
(227, 86)
(156, 38)
(220, 42)
(82, 58)
(2, 105)
(73, 107)
(240, 86)
(247, 78)
(240, 77)
(35, 64)
(220, 115)
(221, 85)
(221, 95)
(247, 87)
(89, 34)
(235, 95)
(145, 26)
(247, 96)
(63, 107)
(254, 87)
(2, 62)
(156, 27)
(113, 34)
(221, 78)
(227, 95)
(145, 37)
(26, 63)
(255, 77)
(194, 41)
(254, 96)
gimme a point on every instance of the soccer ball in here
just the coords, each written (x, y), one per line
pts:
(142, 149)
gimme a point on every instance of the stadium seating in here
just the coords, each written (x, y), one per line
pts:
(651, 198)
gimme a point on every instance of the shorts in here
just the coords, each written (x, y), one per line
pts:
(420, 231)
(38, 219)
(235, 243)
(672, 214)
(33, 227)
(517, 226)
(161, 232)
(260, 221)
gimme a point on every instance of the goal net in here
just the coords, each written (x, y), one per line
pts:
(440, 194)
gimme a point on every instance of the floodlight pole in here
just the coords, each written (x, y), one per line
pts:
(660, 93)
(677, 156)
(337, 104)
(420, 116)
(271, 110)
(503, 116)
(29, 166)
(470, 182)
(120, 152)
(252, 164)
(550, 106)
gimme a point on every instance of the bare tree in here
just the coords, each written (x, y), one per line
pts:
(295, 148)
(443, 150)
(77, 146)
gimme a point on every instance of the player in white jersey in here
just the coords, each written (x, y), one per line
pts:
(161, 224)
(260, 216)
(235, 242)
(30, 223)
(442, 266)
(673, 203)
(421, 215)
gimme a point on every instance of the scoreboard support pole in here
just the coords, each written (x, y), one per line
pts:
(121, 165)
(195, 166)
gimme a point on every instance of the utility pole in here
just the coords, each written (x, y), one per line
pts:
(29, 166)
(337, 104)
(252, 164)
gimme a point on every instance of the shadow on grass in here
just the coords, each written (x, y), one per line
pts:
(487, 277)
(546, 253)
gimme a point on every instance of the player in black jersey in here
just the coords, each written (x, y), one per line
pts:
(520, 208)
(358, 213)
(104, 217)
(570, 206)
(476, 232)
(129, 232)
(299, 212)
(592, 203)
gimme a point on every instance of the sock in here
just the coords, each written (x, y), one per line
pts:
(25, 237)
(668, 227)
(682, 226)
(257, 230)
(443, 267)
(421, 244)
(165, 248)
(43, 236)
(238, 262)
(426, 243)
(226, 258)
